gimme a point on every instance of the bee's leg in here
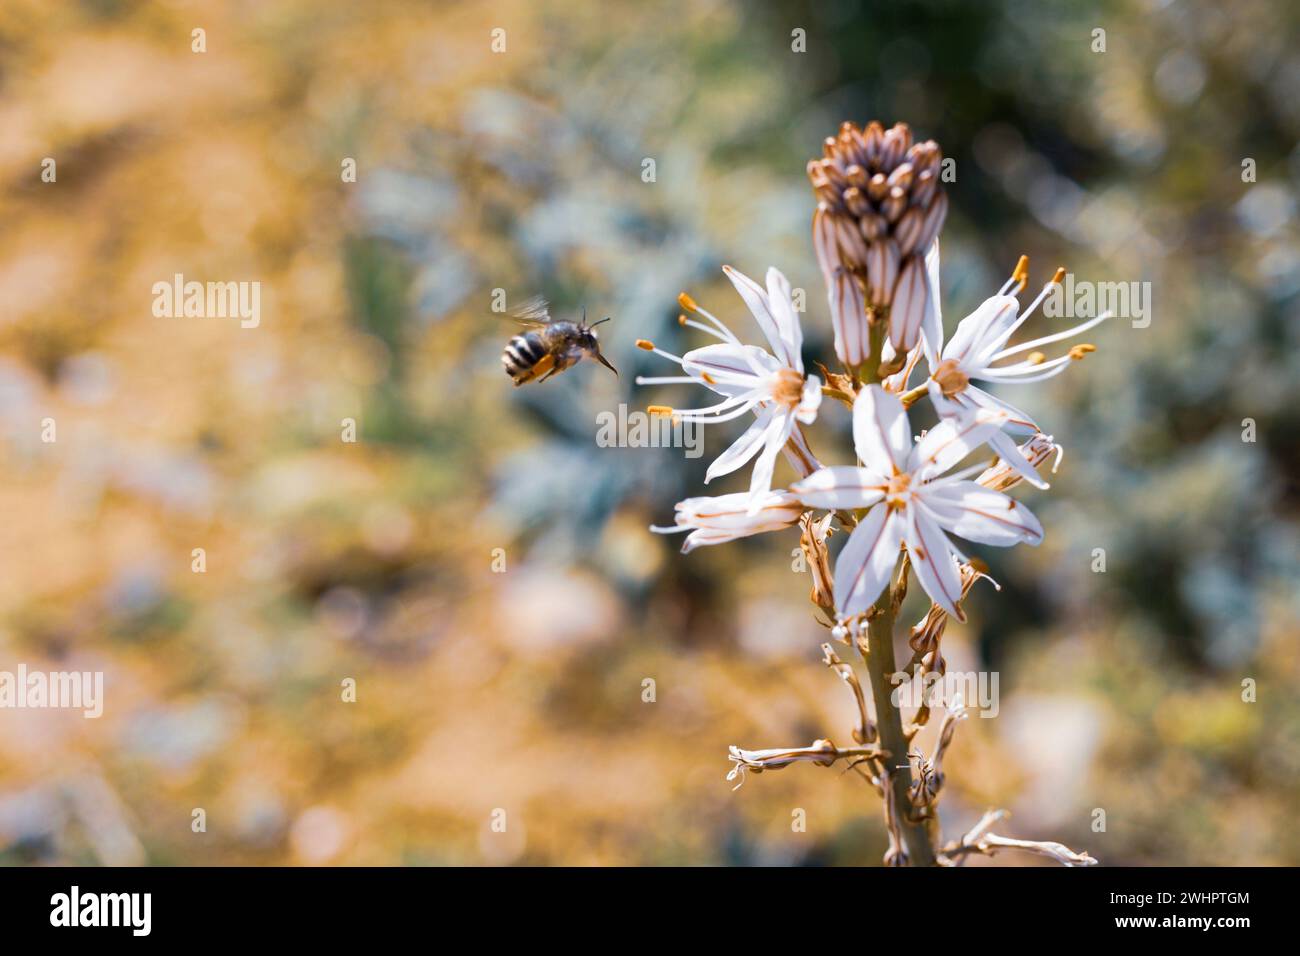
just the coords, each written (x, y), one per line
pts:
(543, 370)
(557, 364)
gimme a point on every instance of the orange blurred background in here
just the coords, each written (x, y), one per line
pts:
(480, 691)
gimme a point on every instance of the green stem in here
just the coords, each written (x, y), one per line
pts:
(871, 371)
(889, 721)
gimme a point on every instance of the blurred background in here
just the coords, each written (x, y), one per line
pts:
(480, 689)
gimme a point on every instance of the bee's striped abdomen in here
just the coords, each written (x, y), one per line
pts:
(521, 354)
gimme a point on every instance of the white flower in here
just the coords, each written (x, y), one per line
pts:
(772, 385)
(977, 347)
(1037, 450)
(910, 503)
(728, 517)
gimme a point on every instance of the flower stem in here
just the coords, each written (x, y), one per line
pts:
(876, 335)
(909, 397)
(889, 721)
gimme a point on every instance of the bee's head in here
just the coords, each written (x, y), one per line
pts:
(592, 344)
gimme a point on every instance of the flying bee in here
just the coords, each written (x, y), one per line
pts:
(550, 345)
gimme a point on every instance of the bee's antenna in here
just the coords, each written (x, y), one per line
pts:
(594, 324)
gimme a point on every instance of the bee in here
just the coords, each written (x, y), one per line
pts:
(550, 345)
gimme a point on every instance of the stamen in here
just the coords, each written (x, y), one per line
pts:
(664, 380)
(686, 302)
(649, 346)
(717, 409)
(1020, 274)
(747, 402)
(1017, 369)
(727, 334)
(1079, 351)
(683, 320)
(1040, 297)
(1038, 300)
(896, 490)
(659, 409)
(1035, 358)
(1053, 368)
(1055, 337)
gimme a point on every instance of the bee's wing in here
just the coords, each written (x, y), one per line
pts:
(535, 311)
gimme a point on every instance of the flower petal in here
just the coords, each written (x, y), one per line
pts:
(944, 406)
(728, 517)
(756, 299)
(787, 321)
(932, 561)
(1017, 420)
(867, 560)
(810, 401)
(969, 401)
(743, 448)
(799, 455)
(952, 440)
(980, 514)
(1009, 452)
(840, 486)
(731, 512)
(700, 538)
(881, 433)
(975, 332)
(729, 369)
(760, 480)
(932, 324)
